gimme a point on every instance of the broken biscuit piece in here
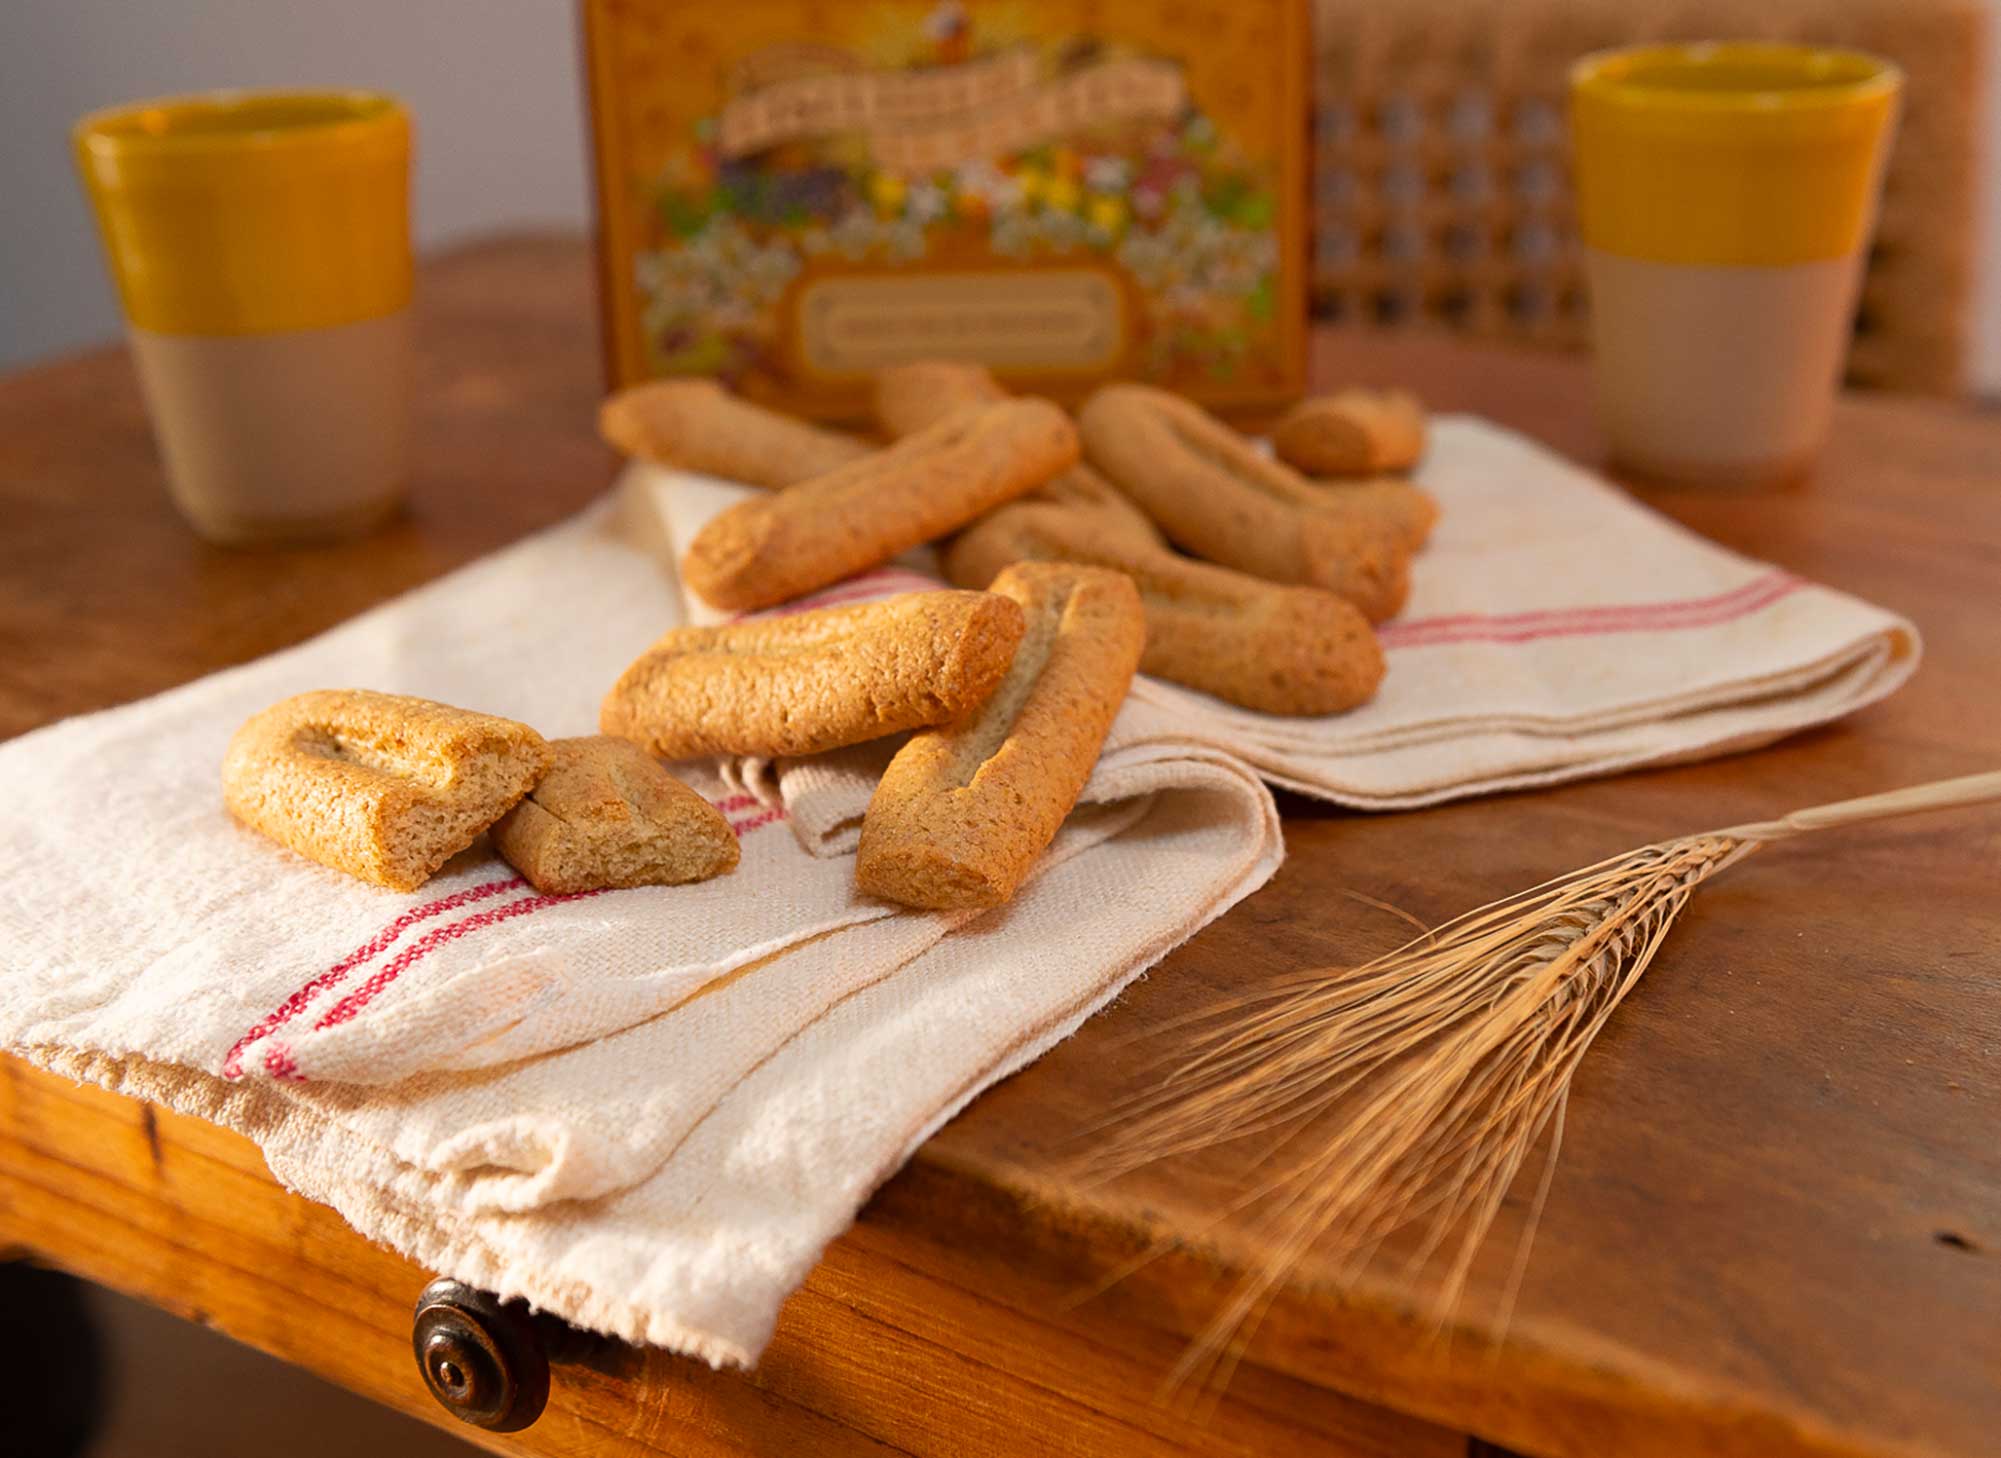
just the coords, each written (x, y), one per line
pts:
(608, 815)
(382, 786)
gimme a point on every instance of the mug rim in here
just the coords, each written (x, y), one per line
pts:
(278, 119)
(1825, 77)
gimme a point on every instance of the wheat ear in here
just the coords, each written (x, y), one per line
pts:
(1411, 1091)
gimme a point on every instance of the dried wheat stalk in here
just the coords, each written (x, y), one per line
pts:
(1413, 1089)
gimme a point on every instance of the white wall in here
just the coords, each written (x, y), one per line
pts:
(493, 85)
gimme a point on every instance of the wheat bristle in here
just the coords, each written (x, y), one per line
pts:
(1407, 1094)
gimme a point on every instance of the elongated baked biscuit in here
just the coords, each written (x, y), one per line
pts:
(1351, 433)
(916, 396)
(1217, 496)
(774, 548)
(606, 814)
(1276, 648)
(697, 425)
(1409, 511)
(911, 397)
(963, 811)
(816, 680)
(381, 786)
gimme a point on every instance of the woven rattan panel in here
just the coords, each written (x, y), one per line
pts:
(1440, 192)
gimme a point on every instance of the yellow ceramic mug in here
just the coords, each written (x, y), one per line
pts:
(261, 246)
(1726, 195)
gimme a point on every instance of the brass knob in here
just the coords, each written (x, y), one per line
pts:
(481, 1357)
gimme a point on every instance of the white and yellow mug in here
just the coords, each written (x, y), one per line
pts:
(1726, 197)
(261, 246)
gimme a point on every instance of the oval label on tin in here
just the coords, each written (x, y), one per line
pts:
(1054, 318)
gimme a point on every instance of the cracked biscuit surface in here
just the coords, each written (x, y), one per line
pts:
(607, 815)
(382, 786)
(963, 811)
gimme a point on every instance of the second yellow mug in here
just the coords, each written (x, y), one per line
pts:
(1726, 195)
(260, 242)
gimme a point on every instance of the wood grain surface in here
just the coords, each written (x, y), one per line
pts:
(1776, 1227)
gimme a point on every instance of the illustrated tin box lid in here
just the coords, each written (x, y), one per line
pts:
(793, 194)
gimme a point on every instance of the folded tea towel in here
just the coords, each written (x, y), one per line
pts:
(1556, 630)
(645, 1110)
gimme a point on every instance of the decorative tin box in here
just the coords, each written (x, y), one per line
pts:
(793, 193)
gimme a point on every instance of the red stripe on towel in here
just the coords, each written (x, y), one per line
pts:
(1742, 601)
(886, 583)
(291, 1007)
(1547, 614)
(278, 1061)
(411, 955)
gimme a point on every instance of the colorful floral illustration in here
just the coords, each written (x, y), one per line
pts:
(1170, 201)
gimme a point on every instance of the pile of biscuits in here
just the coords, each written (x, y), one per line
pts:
(1260, 576)
(1061, 537)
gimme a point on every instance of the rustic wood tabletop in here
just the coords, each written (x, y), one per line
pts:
(1776, 1226)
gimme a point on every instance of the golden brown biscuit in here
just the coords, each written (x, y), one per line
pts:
(963, 811)
(774, 548)
(606, 814)
(913, 397)
(381, 786)
(1278, 649)
(697, 425)
(1267, 646)
(1352, 433)
(815, 680)
(1408, 511)
(1217, 496)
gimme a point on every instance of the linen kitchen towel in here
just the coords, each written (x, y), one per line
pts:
(1556, 629)
(645, 1110)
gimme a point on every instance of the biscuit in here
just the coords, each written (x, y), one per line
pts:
(1351, 433)
(1408, 511)
(1266, 646)
(607, 815)
(907, 398)
(963, 811)
(815, 680)
(1216, 496)
(768, 550)
(912, 397)
(697, 425)
(380, 786)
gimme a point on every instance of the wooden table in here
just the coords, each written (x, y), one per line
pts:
(1776, 1228)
